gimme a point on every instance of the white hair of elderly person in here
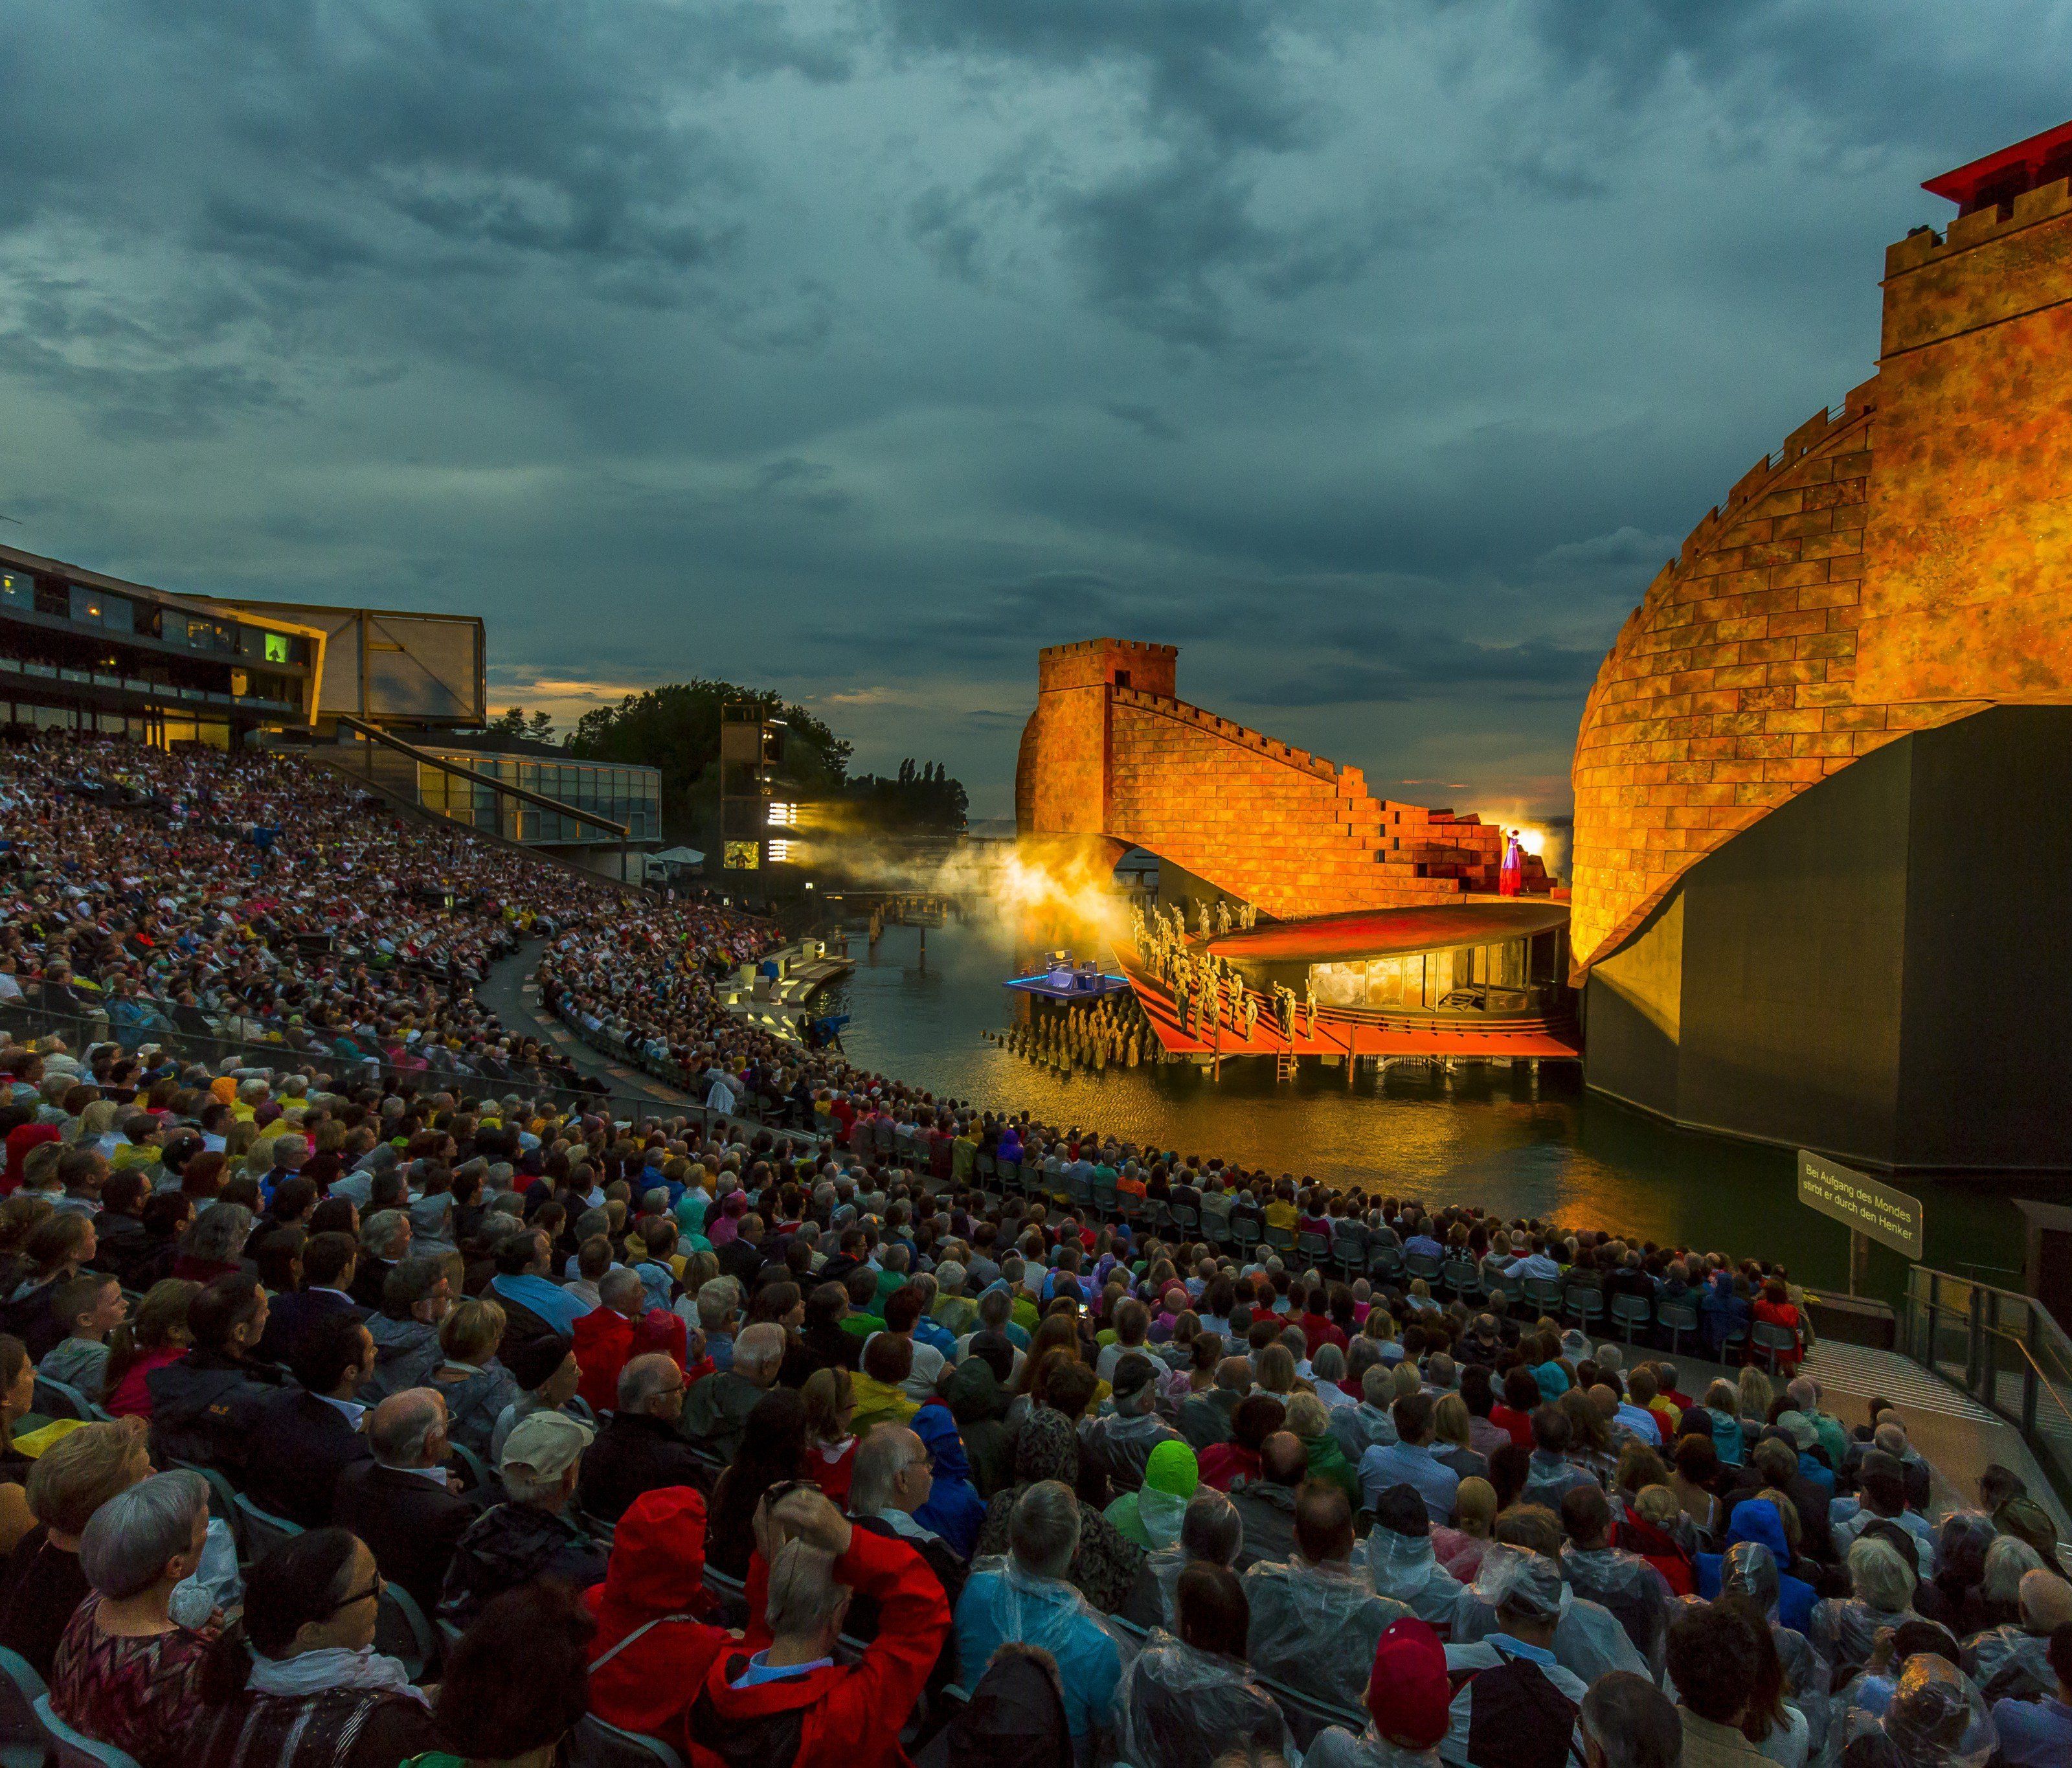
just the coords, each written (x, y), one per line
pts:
(1844, 1629)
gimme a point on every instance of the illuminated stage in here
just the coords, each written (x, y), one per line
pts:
(1074, 984)
(1338, 1034)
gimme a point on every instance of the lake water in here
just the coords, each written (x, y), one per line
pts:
(1552, 1150)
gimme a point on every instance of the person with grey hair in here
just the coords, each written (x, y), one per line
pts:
(792, 1701)
(416, 1296)
(1211, 1530)
(1028, 1599)
(717, 1411)
(891, 1478)
(1628, 1722)
(125, 1672)
(1328, 1366)
(218, 1235)
(718, 1308)
(401, 1504)
(384, 1243)
(1370, 1422)
(640, 1449)
(1121, 1442)
(953, 1311)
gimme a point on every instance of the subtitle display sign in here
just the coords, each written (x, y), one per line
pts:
(1869, 1206)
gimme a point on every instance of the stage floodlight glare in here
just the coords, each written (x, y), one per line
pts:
(783, 815)
(779, 853)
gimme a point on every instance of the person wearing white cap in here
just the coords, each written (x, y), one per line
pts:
(531, 1535)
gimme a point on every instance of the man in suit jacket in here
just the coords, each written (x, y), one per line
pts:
(328, 1263)
(399, 1503)
(302, 1441)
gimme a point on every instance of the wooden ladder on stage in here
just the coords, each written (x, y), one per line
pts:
(1284, 1066)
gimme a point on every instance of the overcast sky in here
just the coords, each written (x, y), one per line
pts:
(1375, 352)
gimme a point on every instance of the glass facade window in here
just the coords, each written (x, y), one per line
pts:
(116, 612)
(18, 589)
(631, 795)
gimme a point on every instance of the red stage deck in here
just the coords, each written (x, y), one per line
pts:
(1339, 1035)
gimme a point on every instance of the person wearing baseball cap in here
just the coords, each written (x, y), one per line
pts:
(531, 1536)
(1121, 1442)
(1407, 1702)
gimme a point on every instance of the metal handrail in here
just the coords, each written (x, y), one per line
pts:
(1989, 1318)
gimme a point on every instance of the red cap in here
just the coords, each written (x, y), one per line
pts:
(1408, 1693)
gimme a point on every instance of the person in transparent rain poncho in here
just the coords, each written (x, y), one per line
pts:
(2015, 1660)
(1845, 1628)
(1026, 1596)
(1400, 1560)
(1185, 1701)
(1637, 1594)
(1316, 1620)
(1862, 1701)
(1934, 1719)
(1211, 1532)
(1407, 1701)
(1151, 1515)
(1588, 1639)
(1749, 1576)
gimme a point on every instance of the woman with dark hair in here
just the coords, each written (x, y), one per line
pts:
(772, 1453)
(1184, 1702)
(501, 1708)
(280, 1261)
(296, 1682)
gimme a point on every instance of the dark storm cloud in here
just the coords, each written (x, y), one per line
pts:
(1375, 356)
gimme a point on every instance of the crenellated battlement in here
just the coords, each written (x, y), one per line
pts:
(1230, 731)
(1924, 246)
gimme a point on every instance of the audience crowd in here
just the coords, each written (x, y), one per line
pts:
(852, 1422)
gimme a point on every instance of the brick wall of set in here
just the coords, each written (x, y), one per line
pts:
(1111, 752)
(1900, 562)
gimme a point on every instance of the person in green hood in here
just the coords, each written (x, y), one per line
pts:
(1151, 1515)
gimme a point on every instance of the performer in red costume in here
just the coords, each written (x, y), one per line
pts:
(1511, 877)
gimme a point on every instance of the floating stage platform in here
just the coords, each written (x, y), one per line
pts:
(1073, 984)
(1337, 1034)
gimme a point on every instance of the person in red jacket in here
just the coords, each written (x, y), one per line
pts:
(607, 1336)
(754, 1703)
(655, 1640)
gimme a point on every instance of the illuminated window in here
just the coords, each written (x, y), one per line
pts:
(276, 647)
(17, 589)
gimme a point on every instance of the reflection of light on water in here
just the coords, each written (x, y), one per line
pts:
(1482, 1137)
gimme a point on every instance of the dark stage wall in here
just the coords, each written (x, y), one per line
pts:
(1880, 969)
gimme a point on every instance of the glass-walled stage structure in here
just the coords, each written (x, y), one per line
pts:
(621, 794)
